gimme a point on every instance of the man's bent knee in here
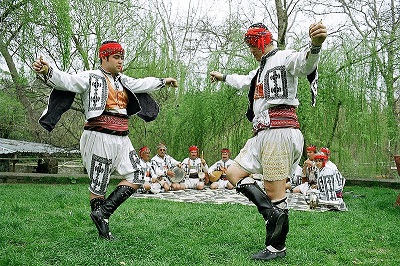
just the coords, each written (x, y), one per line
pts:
(275, 189)
(235, 174)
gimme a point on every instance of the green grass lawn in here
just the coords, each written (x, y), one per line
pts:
(50, 225)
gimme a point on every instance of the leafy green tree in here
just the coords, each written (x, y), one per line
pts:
(357, 105)
(12, 117)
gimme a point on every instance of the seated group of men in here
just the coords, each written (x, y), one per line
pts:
(318, 175)
(164, 173)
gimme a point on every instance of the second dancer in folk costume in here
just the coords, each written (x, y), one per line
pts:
(109, 99)
(276, 148)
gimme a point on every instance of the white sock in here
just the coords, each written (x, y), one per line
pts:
(272, 249)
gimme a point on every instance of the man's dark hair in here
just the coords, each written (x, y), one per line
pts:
(105, 42)
(258, 25)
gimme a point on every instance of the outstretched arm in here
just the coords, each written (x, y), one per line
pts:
(237, 81)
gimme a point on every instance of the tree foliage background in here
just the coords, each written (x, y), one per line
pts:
(357, 112)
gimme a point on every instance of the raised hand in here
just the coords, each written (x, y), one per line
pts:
(40, 66)
(317, 33)
(215, 76)
(171, 82)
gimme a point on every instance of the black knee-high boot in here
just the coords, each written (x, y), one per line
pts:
(96, 203)
(273, 216)
(114, 200)
(277, 247)
(280, 242)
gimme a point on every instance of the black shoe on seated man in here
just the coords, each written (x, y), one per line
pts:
(269, 253)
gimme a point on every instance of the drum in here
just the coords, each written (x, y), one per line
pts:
(179, 175)
(202, 175)
(215, 176)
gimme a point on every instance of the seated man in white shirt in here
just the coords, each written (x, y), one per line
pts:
(163, 164)
(219, 168)
(309, 174)
(151, 183)
(328, 186)
(339, 178)
(195, 169)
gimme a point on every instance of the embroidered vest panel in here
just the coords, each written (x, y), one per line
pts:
(274, 85)
(98, 96)
(97, 93)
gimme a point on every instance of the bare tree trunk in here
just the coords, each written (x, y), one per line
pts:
(17, 80)
(282, 23)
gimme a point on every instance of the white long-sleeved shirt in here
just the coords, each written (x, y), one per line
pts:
(92, 86)
(162, 165)
(193, 166)
(220, 163)
(278, 74)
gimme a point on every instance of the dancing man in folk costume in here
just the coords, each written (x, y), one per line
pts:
(109, 99)
(276, 147)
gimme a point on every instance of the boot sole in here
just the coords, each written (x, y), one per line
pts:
(269, 256)
(98, 226)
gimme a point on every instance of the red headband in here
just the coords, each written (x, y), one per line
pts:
(311, 148)
(320, 156)
(108, 49)
(193, 148)
(143, 149)
(225, 150)
(325, 150)
(258, 37)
